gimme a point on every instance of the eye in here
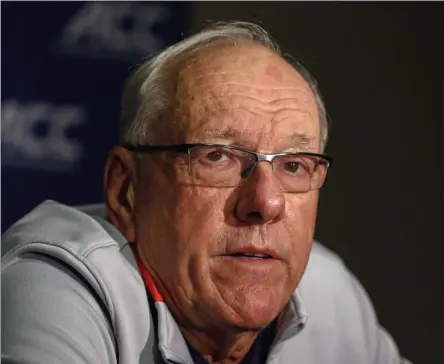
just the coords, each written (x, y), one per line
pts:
(216, 156)
(292, 167)
(297, 166)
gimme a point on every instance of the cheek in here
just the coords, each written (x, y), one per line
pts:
(199, 218)
(301, 218)
(177, 229)
(301, 211)
(199, 228)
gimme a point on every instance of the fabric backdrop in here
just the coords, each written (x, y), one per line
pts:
(63, 67)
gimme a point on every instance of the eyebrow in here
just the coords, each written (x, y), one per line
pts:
(222, 134)
(300, 140)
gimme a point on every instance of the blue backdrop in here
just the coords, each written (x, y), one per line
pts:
(63, 67)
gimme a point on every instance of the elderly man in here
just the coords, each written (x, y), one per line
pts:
(205, 252)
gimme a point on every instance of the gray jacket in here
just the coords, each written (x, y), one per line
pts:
(72, 293)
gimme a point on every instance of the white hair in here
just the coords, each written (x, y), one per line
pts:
(149, 94)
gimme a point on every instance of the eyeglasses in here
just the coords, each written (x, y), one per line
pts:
(216, 165)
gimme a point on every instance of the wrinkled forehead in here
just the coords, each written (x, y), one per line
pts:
(246, 92)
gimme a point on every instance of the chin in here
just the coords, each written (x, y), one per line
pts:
(253, 321)
(256, 309)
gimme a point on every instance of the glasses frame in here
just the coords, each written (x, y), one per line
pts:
(186, 148)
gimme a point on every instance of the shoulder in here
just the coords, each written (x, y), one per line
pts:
(341, 318)
(326, 267)
(57, 225)
(329, 290)
(49, 312)
(66, 235)
(55, 249)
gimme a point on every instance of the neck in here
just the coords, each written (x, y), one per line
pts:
(221, 347)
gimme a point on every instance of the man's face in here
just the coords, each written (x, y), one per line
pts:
(188, 235)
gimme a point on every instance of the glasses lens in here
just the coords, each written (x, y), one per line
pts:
(218, 166)
(299, 173)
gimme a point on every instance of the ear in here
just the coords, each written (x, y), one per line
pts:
(119, 178)
(130, 196)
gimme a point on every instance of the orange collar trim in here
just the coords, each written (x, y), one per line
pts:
(146, 276)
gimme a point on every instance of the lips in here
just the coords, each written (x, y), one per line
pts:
(253, 253)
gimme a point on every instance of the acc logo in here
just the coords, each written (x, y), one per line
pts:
(113, 30)
(34, 135)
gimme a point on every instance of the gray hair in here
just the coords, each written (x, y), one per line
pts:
(149, 95)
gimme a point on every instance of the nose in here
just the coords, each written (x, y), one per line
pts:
(261, 197)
